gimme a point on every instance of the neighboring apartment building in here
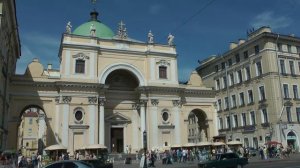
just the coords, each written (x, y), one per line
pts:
(9, 53)
(257, 88)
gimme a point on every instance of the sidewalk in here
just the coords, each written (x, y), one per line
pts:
(257, 158)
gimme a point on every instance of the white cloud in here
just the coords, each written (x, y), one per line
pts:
(155, 9)
(268, 18)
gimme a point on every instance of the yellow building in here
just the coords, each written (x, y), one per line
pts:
(9, 53)
(109, 90)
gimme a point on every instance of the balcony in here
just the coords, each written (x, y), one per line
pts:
(262, 100)
(265, 124)
(249, 128)
(251, 103)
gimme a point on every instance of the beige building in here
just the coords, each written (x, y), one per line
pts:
(109, 90)
(257, 88)
(9, 53)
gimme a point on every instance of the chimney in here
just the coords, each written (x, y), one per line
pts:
(232, 45)
(49, 67)
(241, 41)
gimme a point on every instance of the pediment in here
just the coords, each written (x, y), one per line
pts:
(118, 118)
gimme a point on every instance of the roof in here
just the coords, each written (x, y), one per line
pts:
(30, 114)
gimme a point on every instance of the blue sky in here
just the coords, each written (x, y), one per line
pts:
(201, 27)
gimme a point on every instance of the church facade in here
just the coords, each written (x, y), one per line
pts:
(108, 90)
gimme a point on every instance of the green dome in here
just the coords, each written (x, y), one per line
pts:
(102, 31)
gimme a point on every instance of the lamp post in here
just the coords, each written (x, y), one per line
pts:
(145, 148)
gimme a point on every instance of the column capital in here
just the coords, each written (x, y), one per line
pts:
(143, 102)
(154, 102)
(57, 98)
(66, 99)
(92, 100)
(135, 106)
(101, 101)
(177, 103)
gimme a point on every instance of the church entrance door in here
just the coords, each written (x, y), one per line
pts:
(117, 140)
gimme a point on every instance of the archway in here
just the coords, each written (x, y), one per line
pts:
(197, 126)
(291, 140)
(32, 130)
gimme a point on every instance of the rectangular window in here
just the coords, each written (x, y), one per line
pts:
(250, 97)
(217, 68)
(253, 120)
(244, 119)
(237, 58)
(286, 91)
(246, 54)
(279, 46)
(289, 114)
(282, 66)
(219, 104)
(226, 103)
(242, 100)
(264, 116)
(240, 76)
(223, 65)
(258, 68)
(221, 123)
(248, 74)
(292, 67)
(80, 66)
(262, 93)
(217, 84)
(298, 113)
(295, 91)
(256, 49)
(236, 122)
(229, 62)
(163, 72)
(224, 82)
(228, 122)
(289, 48)
(231, 79)
(233, 101)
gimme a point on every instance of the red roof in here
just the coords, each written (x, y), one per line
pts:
(30, 114)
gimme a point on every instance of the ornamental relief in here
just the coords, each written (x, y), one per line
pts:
(81, 56)
(163, 62)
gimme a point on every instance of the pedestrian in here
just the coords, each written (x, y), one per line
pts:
(39, 159)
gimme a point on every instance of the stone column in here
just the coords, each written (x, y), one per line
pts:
(135, 140)
(41, 128)
(57, 117)
(65, 128)
(143, 118)
(177, 130)
(154, 122)
(101, 121)
(92, 107)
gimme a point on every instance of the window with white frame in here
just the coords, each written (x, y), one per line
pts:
(224, 82)
(289, 48)
(248, 73)
(292, 67)
(217, 84)
(262, 95)
(250, 97)
(228, 122)
(239, 76)
(80, 66)
(226, 102)
(299, 66)
(258, 68)
(242, 99)
(236, 121)
(256, 49)
(289, 114)
(286, 91)
(233, 100)
(282, 66)
(252, 116)
(221, 123)
(162, 72)
(231, 76)
(279, 47)
(264, 117)
(295, 91)
(219, 104)
(244, 119)
(298, 113)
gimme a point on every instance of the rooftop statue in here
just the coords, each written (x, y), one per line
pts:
(170, 39)
(93, 30)
(150, 37)
(69, 28)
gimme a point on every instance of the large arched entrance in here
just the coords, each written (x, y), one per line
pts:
(197, 126)
(291, 140)
(32, 131)
(121, 92)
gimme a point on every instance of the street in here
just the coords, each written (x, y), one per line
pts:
(292, 162)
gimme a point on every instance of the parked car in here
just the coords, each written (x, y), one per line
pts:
(98, 163)
(224, 160)
(69, 164)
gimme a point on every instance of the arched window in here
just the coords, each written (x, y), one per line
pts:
(80, 66)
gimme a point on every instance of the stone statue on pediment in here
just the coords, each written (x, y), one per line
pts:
(170, 39)
(150, 37)
(93, 30)
(69, 28)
